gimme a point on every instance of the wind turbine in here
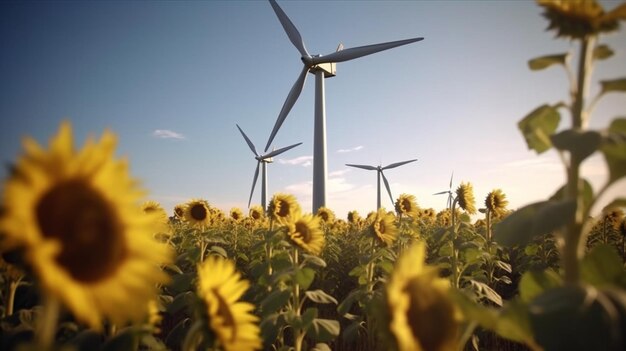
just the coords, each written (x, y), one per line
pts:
(322, 67)
(262, 161)
(380, 170)
(449, 192)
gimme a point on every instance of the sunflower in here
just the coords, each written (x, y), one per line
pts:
(423, 316)
(179, 211)
(429, 215)
(383, 228)
(75, 215)
(198, 213)
(220, 287)
(283, 206)
(305, 232)
(353, 217)
(256, 213)
(496, 202)
(326, 215)
(465, 197)
(407, 205)
(443, 218)
(577, 19)
(154, 210)
(236, 214)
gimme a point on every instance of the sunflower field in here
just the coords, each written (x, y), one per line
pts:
(89, 263)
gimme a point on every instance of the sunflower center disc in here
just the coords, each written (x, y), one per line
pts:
(304, 232)
(430, 317)
(223, 310)
(283, 209)
(198, 212)
(92, 242)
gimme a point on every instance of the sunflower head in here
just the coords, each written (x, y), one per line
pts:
(353, 217)
(423, 315)
(236, 214)
(304, 231)
(198, 213)
(465, 197)
(256, 213)
(496, 202)
(283, 206)
(75, 215)
(179, 211)
(622, 227)
(577, 19)
(383, 227)
(428, 215)
(325, 215)
(154, 210)
(443, 218)
(407, 205)
(220, 287)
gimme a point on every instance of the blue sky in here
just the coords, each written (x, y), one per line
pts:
(173, 78)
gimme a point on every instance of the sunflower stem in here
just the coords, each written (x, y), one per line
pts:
(455, 251)
(572, 248)
(47, 324)
(298, 333)
(11, 299)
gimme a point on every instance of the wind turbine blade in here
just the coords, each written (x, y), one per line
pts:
(294, 93)
(248, 141)
(369, 168)
(398, 164)
(256, 176)
(442, 192)
(280, 151)
(290, 29)
(352, 53)
(387, 186)
(451, 179)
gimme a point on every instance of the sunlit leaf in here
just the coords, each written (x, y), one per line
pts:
(602, 52)
(520, 227)
(538, 126)
(304, 277)
(614, 85)
(321, 347)
(580, 144)
(543, 62)
(513, 322)
(586, 193)
(534, 283)
(319, 296)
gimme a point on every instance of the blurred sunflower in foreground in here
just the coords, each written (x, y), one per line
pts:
(423, 316)
(220, 287)
(577, 19)
(76, 217)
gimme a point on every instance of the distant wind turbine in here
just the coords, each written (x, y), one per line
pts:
(449, 192)
(322, 67)
(380, 170)
(262, 160)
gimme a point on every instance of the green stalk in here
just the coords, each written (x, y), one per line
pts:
(455, 251)
(298, 332)
(11, 300)
(573, 246)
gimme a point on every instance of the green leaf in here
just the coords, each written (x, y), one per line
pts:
(537, 127)
(275, 301)
(614, 149)
(270, 327)
(534, 283)
(315, 260)
(587, 193)
(319, 296)
(219, 251)
(602, 266)
(580, 144)
(577, 318)
(346, 304)
(324, 329)
(513, 323)
(539, 218)
(181, 283)
(543, 62)
(614, 85)
(485, 291)
(182, 300)
(602, 52)
(304, 277)
(305, 320)
(321, 347)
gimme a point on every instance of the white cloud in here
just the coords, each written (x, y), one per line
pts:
(167, 134)
(304, 161)
(356, 148)
(338, 173)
